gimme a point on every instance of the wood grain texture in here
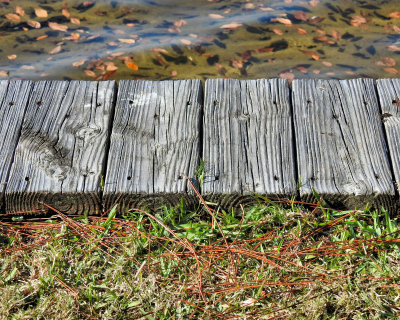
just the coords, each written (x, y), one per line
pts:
(13, 100)
(389, 96)
(341, 149)
(155, 138)
(62, 148)
(248, 144)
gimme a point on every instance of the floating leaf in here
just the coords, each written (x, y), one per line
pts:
(301, 31)
(4, 73)
(215, 16)
(302, 69)
(313, 54)
(179, 23)
(287, 75)
(233, 25)
(395, 15)
(132, 65)
(159, 50)
(358, 21)
(12, 56)
(393, 48)
(26, 67)
(55, 50)
(396, 29)
(324, 39)
(90, 73)
(391, 70)
(42, 37)
(313, 3)
(20, 11)
(335, 34)
(174, 73)
(75, 21)
(110, 66)
(40, 13)
(386, 61)
(278, 31)
(327, 63)
(79, 63)
(301, 15)
(284, 21)
(185, 41)
(34, 24)
(13, 17)
(238, 64)
(65, 13)
(58, 27)
(131, 41)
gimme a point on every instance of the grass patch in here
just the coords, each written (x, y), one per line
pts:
(270, 261)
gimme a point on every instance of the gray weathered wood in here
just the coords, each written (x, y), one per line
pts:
(389, 96)
(13, 99)
(61, 151)
(341, 149)
(248, 143)
(155, 138)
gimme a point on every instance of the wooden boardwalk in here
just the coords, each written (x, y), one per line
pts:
(81, 146)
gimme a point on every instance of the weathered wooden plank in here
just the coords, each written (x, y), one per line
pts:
(248, 144)
(13, 100)
(389, 96)
(341, 149)
(155, 138)
(61, 152)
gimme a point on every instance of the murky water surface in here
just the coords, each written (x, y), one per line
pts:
(175, 39)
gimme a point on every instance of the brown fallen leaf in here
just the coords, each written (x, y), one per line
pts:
(65, 13)
(395, 15)
(75, 21)
(287, 75)
(58, 27)
(34, 24)
(358, 21)
(179, 23)
(42, 37)
(13, 17)
(130, 41)
(336, 34)
(313, 54)
(316, 19)
(110, 66)
(301, 31)
(19, 11)
(393, 48)
(55, 50)
(40, 13)
(301, 15)
(233, 25)
(396, 29)
(79, 63)
(238, 64)
(4, 73)
(261, 50)
(174, 73)
(90, 73)
(12, 56)
(324, 39)
(75, 36)
(391, 70)
(277, 31)
(158, 50)
(302, 69)
(26, 67)
(327, 63)
(185, 41)
(215, 16)
(313, 3)
(284, 21)
(132, 65)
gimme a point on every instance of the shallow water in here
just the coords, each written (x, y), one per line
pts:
(175, 39)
